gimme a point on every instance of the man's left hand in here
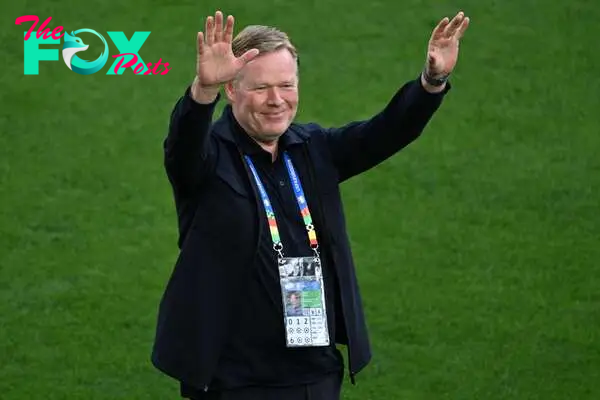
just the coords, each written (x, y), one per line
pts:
(442, 50)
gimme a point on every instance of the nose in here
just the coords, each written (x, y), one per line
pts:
(274, 97)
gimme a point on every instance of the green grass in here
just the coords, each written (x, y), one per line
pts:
(476, 247)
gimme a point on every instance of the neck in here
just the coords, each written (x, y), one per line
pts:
(270, 146)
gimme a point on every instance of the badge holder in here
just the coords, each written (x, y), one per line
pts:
(303, 295)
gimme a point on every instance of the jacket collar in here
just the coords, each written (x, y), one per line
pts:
(227, 128)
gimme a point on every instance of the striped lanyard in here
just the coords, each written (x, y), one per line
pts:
(302, 206)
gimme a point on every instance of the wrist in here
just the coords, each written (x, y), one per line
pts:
(204, 94)
(433, 84)
(434, 79)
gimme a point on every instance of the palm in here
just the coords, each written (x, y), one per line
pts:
(216, 63)
(442, 51)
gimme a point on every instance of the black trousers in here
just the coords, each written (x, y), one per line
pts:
(327, 389)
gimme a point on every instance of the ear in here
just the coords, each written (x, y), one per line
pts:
(229, 91)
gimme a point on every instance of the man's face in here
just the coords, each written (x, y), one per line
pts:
(295, 300)
(264, 98)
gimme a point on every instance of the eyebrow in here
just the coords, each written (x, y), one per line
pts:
(262, 83)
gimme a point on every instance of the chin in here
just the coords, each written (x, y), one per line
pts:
(269, 136)
(275, 129)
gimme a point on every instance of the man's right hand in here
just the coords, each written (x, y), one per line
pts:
(216, 63)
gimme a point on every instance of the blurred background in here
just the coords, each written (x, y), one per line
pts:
(476, 246)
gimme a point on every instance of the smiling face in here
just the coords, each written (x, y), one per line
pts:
(264, 97)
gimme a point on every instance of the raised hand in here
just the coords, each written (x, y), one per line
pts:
(442, 50)
(216, 63)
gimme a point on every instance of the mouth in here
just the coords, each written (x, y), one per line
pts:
(274, 115)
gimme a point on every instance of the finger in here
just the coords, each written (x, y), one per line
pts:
(218, 26)
(430, 61)
(454, 24)
(248, 56)
(434, 67)
(439, 29)
(463, 27)
(200, 44)
(209, 32)
(451, 27)
(229, 29)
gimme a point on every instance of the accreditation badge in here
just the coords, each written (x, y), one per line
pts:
(303, 296)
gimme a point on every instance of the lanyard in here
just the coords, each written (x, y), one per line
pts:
(302, 206)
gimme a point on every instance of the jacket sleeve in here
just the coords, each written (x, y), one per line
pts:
(189, 154)
(361, 145)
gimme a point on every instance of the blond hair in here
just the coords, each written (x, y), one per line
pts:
(264, 38)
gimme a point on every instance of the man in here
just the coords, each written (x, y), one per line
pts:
(294, 306)
(254, 192)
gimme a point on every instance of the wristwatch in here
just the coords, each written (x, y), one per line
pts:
(435, 81)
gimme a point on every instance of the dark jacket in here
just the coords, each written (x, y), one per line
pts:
(219, 215)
